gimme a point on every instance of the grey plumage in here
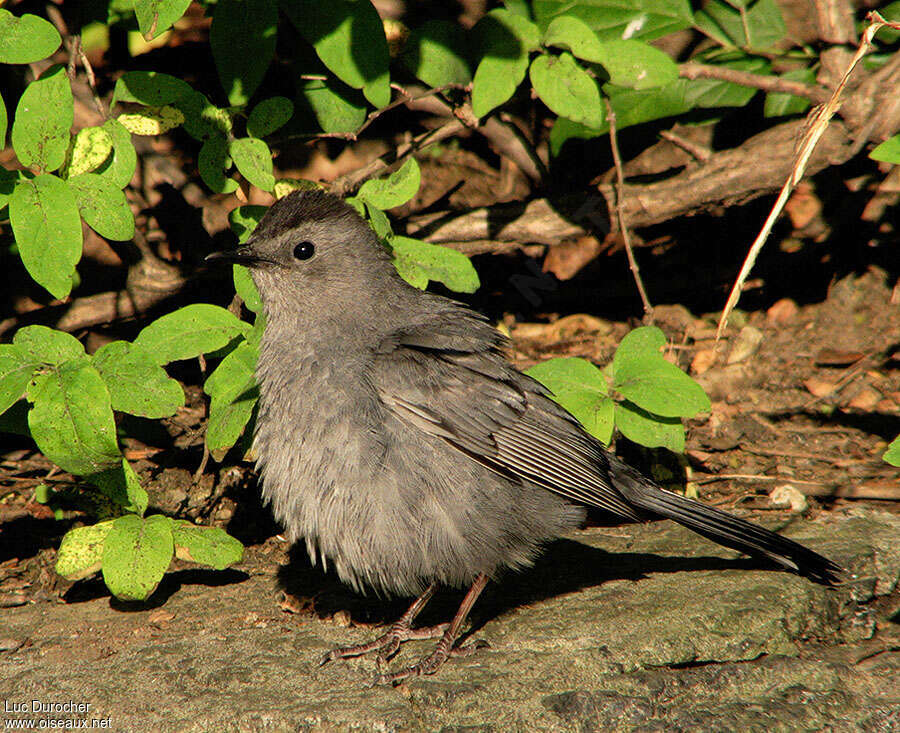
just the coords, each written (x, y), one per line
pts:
(395, 438)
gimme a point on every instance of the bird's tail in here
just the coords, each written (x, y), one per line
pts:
(721, 527)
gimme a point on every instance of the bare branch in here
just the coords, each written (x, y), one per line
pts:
(351, 181)
(623, 227)
(692, 70)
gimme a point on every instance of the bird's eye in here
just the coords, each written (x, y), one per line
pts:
(304, 250)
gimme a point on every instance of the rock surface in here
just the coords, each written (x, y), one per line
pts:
(630, 628)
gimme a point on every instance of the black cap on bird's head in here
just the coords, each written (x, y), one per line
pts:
(315, 245)
(299, 219)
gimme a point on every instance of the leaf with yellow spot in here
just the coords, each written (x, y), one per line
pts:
(152, 120)
(88, 150)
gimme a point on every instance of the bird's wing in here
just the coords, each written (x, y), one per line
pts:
(450, 380)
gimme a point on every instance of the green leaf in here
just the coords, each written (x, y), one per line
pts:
(26, 39)
(580, 388)
(202, 119)
(43, 345)
(519, 7)
(888, 151)
(629, 63)
(150, 88)
(155, 17)
(651, 431)
(505, 40)
(242, 38)
(499, 23)
(637, 65)
(254, 161)
(122, 485)
(756, 25)
(244, 219)
(614, 20)
(891, 13)
(436, 53)
(645, 342)
(349, 39)
(379, 221)
(246, 288)
(395, 190)
(782, 105)
(418, 262)
(47, 226)
(660, 387)
(80, 553)
(647, 380)
(232, 387)
(212, 162)
(335, 106)
(136, 554)
(567, 89)
(121, 166)
(635, 106)
(631, 107)
(269, 115)
(103, 206)
(40, 132)
(190, 331)
(573, 34)
(892, 454)
(16, 368)
(234, 375)
(72, 420)
(4, 122)
(137, 384)
(205, 545)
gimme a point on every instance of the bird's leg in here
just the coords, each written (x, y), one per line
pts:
(401, 630)
(444, 649)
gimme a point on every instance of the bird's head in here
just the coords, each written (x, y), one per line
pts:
(313, 253)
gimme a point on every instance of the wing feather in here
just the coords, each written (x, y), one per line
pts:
(461, 388)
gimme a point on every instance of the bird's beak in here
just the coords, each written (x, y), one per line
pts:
(240, 255)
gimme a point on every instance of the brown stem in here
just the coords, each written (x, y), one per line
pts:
(693, 70)
(349, 182)
(623, 227)
(508, 141)
(700, 153)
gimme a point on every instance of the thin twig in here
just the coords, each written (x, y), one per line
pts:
(819, 120)
(850, 374)
(623, 228)
(201, 469)
(700, 153)
(351, 181)
(404, 98)
(92, 80)
(694, 70)
(751, 477)
(745, 23)
(501, 133)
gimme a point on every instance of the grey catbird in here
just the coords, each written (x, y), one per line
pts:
(395, 438)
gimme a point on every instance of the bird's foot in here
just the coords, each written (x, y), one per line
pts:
(386, 645)
(432, 663)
